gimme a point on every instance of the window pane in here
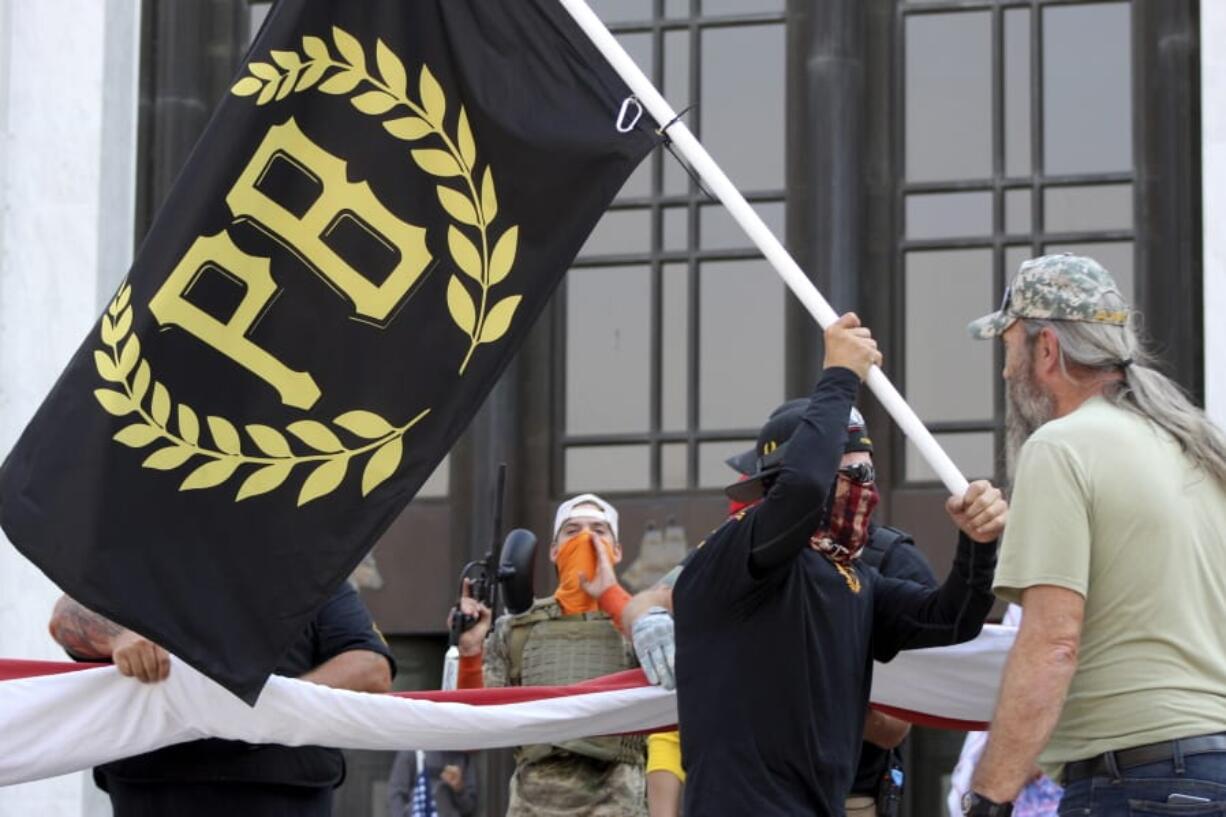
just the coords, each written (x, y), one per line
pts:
(741, 6)
(675, 348)
(608, 345)
(719, 230)
(1017, 92)
(1087, 87)
(676, 8)
(676, 228)
(713, 472)
(437, 484)
(973, 453)
(949, 96)
(741, 353)
(639, 183)
(1017, 211)
(621, 11)
(945, 215)
(256, 16)
(1094, 207)
(620, 232)
(742, 110)
(1116, 256)
(607, 468)
(1014, 256)
(673, 466)
(677, 91)
(945, 291)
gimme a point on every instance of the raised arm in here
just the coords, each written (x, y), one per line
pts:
(907, 615)
(785, 520)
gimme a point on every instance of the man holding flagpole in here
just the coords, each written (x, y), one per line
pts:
(778, 621)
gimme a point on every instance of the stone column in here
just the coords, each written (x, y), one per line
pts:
(1213, 187)
(67, 145)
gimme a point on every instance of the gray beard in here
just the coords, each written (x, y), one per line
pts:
(1027, 408)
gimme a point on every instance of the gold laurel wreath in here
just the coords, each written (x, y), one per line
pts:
(122, 364)
(487, 268)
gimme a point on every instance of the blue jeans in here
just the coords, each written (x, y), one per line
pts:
(1143, 790)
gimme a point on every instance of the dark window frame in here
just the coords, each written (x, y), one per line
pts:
(1000, 241)
(655, 258)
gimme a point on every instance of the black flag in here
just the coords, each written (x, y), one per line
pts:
(371, 223)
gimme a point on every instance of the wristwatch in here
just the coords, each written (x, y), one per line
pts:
(976, 805)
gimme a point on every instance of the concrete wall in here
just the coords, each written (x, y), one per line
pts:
(68, 94)
(1213, 156)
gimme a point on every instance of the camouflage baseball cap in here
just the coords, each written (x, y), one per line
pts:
(1061, 287)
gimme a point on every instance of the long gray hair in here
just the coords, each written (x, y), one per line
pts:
(1143, 390)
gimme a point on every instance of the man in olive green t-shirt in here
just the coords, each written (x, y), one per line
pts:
(1116, 548)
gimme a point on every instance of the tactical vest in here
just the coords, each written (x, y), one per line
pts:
(546, 648)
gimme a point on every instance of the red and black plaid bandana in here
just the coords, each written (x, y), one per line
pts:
(846, 530)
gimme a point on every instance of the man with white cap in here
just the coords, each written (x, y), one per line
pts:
(594, 777)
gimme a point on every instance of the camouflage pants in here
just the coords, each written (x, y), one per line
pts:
(577, 786)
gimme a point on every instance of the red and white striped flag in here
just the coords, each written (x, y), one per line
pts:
(57, 718)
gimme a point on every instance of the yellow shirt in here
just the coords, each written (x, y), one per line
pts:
(1105, 504)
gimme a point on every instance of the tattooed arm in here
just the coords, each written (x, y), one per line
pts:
(83, 633)
(87, 635)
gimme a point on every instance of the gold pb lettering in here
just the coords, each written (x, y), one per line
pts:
(304, 234)
(170, 307)
(340, 200)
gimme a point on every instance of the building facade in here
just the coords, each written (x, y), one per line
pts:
(910, 152)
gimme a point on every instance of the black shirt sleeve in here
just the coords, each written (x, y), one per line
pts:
(344, 624)
(737, 559)
(907, 615)
(786, 519)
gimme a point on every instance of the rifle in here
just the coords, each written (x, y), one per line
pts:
(507, 565)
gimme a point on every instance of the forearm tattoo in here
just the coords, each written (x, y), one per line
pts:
(81, 631)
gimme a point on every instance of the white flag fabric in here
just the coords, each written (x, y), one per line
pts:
(55, 724)
(953, 686)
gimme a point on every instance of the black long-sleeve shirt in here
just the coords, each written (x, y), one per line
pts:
(775, 643)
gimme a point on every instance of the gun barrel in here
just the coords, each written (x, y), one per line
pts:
(495, 555)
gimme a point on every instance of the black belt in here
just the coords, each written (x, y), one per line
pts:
(1141, 755)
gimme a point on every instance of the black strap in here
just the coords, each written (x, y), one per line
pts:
(668, 145)
(883, 540)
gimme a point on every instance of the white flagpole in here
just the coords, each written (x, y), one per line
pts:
(719, 184)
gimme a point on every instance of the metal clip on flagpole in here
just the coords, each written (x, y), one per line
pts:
(719, 184)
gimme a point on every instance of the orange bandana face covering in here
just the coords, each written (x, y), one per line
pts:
(574, 557)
